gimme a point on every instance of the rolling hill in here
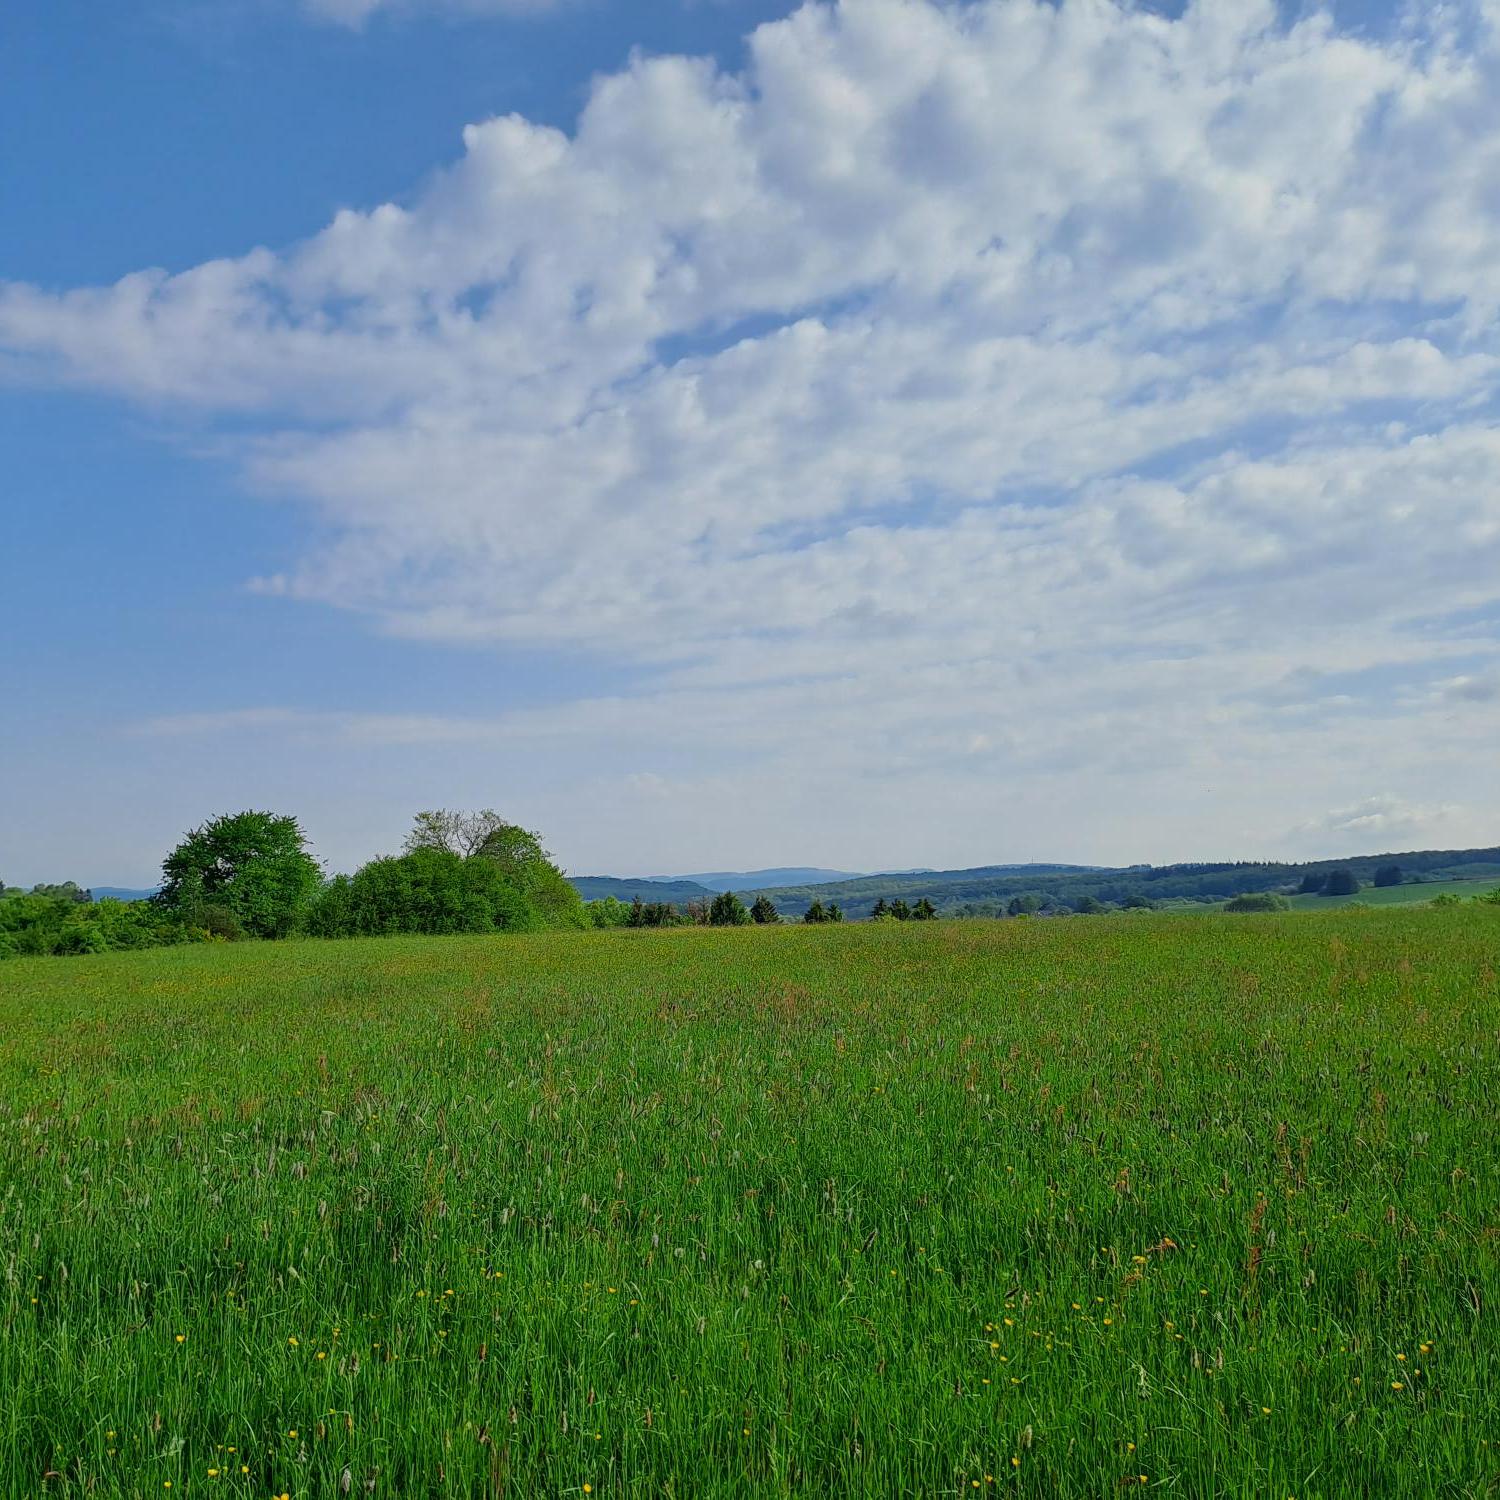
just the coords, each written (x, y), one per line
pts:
(988, 889)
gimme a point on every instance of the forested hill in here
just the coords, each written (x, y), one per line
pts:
(987, 890)
(597, 887)
(703, 888)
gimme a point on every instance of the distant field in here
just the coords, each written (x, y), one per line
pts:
(1396, 895)
(1205, 1206)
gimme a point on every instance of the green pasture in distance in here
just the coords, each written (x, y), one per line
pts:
(1204, 1206)
(1397, 895)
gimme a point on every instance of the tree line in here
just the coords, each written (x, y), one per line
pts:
(725, 910)
(249, 875)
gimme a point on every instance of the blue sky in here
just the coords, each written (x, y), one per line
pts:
(878, 435)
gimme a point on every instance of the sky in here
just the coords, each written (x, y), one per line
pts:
(722, 434)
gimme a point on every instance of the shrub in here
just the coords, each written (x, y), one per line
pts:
(426, 891)
(1259, 901)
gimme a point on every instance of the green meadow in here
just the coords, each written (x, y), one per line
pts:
(1205, 1206)
(1397, 895)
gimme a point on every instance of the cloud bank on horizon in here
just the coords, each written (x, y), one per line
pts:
(986, 392)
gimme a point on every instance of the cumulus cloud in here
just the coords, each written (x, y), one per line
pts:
(1377, 823)
(991, 384)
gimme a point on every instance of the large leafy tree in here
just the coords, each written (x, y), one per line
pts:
(247, 871)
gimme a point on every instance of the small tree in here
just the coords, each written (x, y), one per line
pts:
(1313, 883)
(924, 911)
(815, 913)
(1388, 875)
(835, 912)
(879, 909)
(764, 911)
(1341, 883)
(460, 833)
(728, 910)
(900, 910)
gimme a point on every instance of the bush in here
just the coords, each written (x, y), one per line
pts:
(40, 925)
(608, 911)
(1259, 901)
(1340, 883)
(1388, 875)
(427, 891)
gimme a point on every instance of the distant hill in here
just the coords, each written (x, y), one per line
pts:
(119, 893)
(988, 889)
(597, 887)
(754, 880)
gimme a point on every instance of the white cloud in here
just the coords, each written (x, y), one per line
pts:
(1378, 823)
(993, 387)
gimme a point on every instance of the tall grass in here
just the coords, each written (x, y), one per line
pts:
(1200, 1205)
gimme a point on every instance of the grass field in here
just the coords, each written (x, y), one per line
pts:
(1397, 895)
(1202, 1206)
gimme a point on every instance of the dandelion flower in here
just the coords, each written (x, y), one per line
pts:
(1397, 1386)
(182, 1338)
